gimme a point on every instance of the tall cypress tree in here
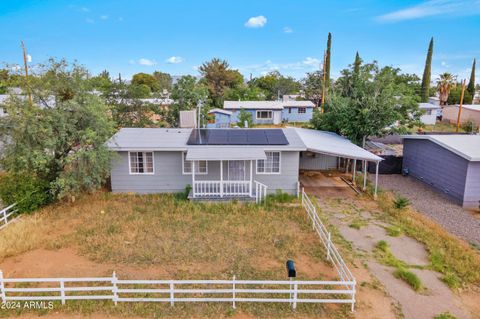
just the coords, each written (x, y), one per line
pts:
(356, 64)
(471, 84)
(427, 74)
(327, 60)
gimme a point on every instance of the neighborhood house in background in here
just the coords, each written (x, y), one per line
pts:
(432, 112)
(470, 112)
(223, 163)
(263, 112)
(448, 163)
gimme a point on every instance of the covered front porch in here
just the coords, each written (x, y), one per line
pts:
(222, 173)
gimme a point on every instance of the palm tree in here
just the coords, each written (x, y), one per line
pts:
(444, 84)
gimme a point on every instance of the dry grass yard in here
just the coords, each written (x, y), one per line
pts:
(161, 237)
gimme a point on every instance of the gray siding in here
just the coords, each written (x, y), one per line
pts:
(317, 161)
(436, 166)
(472, 187)
(168, 175)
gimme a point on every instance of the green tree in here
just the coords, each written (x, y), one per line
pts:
(187, 93)
(218, 77)
(471, 83)
(62, 146)
(374, 104)
(244, 93)
(101, 82)
(164, 80)
(312, 87)
(356, 64)
(327, 60)
(244, 116)
(146, 79)
(427, 74)
(456, 93)
(275, 84)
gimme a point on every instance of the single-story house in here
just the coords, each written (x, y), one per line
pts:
(448, 163)
(221, 118)
(469, 112)
(223, 163)
(271, 112)
(431, 112)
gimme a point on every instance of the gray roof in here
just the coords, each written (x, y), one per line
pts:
(174, 139)
(265, 105)
(428, 106)
(466, 146)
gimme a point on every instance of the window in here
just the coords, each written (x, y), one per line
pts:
(271, 165)
(141, 162)
(302, 110)
(264, 115)
(289, 110)
(200, 166)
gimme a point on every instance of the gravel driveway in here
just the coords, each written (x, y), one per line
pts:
(451, 216)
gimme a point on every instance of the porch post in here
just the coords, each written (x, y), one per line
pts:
(221, 178)
(364, 175)
(193, 178)
(251, 178)
(376, 181)
(354, 170)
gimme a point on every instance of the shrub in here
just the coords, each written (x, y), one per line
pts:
(280, 197)
(244, 116)
(401, 202)
(409, 277)
(445, 315)
(29, 192)
(184, 195)
(469, 126)
(393, 231)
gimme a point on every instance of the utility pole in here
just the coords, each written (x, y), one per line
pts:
(460, 106)
(26, 73)
(324, 80)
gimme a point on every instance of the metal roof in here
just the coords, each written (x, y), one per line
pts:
(265, 105)
(333, 144)
(211, 153)
(466, 146)
(428, 106)
(219, 111)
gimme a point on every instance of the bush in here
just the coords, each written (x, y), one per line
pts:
(401, 202)
(393, 231)
(184, 195)
(445, 315)
(409, 277)
(469, 126)
(244, 116)
(29, 192)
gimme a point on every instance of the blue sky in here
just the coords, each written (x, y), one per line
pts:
(254, 36)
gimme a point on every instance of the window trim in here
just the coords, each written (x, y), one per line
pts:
(145, 173)
(270, 173)
(264, 118)
(196, 173)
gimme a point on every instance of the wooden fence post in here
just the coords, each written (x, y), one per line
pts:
(115, 288)
(62, 291)
(2, 288)
(172, 295)
(234, 294)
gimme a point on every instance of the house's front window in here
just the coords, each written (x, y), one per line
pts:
(264, 115)
(302, 110)
(271, 165)
(201, 167)
(141, 162)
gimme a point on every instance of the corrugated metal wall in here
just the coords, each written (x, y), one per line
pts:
(309, 160)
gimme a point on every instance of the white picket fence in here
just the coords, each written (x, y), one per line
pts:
(6, 215)
(260, 192)
(173, 291)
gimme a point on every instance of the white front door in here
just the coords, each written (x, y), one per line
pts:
(277, 117)
(236, 171)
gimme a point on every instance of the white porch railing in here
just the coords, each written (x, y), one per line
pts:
(260, 192)
(220, 188)
(5, 214)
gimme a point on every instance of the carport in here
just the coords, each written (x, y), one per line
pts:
(333, 147)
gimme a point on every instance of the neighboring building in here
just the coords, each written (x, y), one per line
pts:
(434, 100)
(271, 112)
(221, 118)
(226, 163)
(432, 111)
(469, 112)
(448, 163)
(188, 119)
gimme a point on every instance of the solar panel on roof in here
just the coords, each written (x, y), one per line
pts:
(237, 137)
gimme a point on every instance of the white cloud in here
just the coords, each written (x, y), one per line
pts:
(311, 61)
(84, 9)
(29, 58)
(104, 17)
(287, 30)
(146, 62)
(174, 60)
(89, 20)
(131, 61)
(256, 22)
(433, 8)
